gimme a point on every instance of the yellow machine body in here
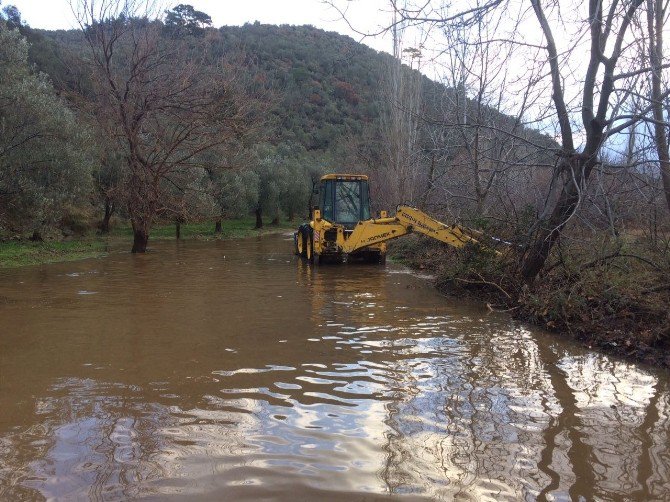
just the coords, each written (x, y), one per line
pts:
(322, 239)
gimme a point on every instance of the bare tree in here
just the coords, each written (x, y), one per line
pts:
(583, 55)
(401, 122)
(597, 88)
(159, 101)
(484, 111)
(656, 17)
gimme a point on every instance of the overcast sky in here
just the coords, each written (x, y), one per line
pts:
(366, 15)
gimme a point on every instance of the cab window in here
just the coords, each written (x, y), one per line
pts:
(326, 200)
(348, 201)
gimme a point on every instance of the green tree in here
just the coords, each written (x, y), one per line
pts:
(184, 20)
(44, 156)
(187, 195)
(109, 184)
(287, 174)
(236, 193)
(12, 17)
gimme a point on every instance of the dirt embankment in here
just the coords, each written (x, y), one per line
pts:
(618, 302)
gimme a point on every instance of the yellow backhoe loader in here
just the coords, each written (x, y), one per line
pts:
(341, 227)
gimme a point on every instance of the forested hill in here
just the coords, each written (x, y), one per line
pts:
(327, 86)
(324, 103)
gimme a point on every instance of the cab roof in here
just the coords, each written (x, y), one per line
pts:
(344, 177)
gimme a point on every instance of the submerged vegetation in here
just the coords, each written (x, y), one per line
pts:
(617, 302)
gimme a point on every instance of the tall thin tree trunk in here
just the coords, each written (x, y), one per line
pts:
(259, 218)
(429, 185)
(476, 175)
(177, 229)
(141, 205)
(217, 226)
(109, 211)
(576, 167)
(655, 26)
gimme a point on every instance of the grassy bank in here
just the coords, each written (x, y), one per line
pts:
(21, 253)
(616, 301)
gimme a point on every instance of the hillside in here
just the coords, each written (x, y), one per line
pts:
(326, 84)
(329, 84)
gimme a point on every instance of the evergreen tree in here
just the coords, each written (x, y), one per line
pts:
(184, 20)
(43, 150)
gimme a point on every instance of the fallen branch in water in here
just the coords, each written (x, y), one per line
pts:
(495, 309)
(488, 283)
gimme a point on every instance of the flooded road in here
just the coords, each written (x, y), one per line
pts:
(232, 370)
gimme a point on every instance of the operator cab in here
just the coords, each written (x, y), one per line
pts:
(344, 199)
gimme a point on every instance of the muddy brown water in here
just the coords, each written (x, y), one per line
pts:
(232, 370)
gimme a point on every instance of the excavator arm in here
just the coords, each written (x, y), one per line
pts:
(407, 219)
(370, 232)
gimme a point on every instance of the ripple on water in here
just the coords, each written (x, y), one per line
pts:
(223, 371)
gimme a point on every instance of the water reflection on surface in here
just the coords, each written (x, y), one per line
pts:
(232, 370)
